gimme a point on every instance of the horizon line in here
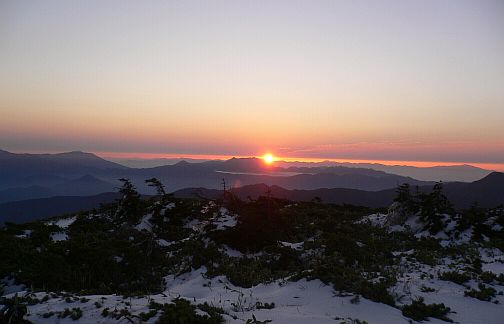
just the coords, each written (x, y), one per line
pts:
(419, 164)
(499, 167)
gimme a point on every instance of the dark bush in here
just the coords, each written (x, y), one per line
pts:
(484, 293)
(419, 311)
(454, 276)
(182, 312)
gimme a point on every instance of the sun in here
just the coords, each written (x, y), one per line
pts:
(268, 158)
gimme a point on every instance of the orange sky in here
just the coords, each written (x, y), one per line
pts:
(124, 155)
(345, 80)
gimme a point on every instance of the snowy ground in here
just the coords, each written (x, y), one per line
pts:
(295, 301)
(464, 309)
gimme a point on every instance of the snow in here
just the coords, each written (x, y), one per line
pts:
(162, 242)
(225, 221)
(237, 254)
(192, 224)
(413, 277)
(497, 227)
(10, 287)
(232, 252)
(493, 260)
(222, 221)
(26, 234)
(495, 267)
(59, 236)
(196, 225)
(465, 236)
(168, 207)
(145, 224)
(300, 301)
(450, 225)
(413, 224)
(63, 222)
(295, 246)
(465, 309)
(295, 302)
(378, 220)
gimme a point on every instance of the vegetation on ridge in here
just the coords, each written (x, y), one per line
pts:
(130, 246)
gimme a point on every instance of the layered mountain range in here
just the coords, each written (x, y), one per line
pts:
(27, 176)
(38, 185)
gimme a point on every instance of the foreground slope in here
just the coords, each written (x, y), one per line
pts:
(207, 261)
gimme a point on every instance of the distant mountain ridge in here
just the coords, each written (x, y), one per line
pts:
(16, 170)
(82, 186)
(24, 176)
(464, 172)
(487, 192)
(456, 172)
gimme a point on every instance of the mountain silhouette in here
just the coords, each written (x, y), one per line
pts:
(25, 176)
(16, 168)
(487, 192)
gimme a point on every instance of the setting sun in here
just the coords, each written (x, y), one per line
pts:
(268, 158)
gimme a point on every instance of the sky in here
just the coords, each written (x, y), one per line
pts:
(363, 80)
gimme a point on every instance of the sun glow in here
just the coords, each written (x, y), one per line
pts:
(268, 158)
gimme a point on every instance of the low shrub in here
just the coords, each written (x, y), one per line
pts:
(487, 277)
(182, 312)
(13, 311)
(484, 293)
(427, 289)
(146, 316)
(419, 311)
(260, 305)
(454, 276)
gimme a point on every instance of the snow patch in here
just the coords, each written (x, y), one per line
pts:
(145, 224)
(59, 236)
(378, 220)
(26, 234)
(295, 246)
(225, 220)
(63, 222)
(162, 242)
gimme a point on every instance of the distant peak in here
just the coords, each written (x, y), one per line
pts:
(493, 176)
(243, 158)
(78, 153)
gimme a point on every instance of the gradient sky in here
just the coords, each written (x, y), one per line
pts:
(378, 80)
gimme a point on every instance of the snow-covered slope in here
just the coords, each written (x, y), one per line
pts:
(461, 266)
